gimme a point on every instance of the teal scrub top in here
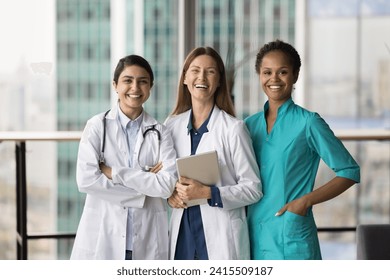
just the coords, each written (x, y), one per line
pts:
(288, 159)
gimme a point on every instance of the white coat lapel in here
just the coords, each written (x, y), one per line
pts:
(207, 143)
(184, 137)
(120, 137)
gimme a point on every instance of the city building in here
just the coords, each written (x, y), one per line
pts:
(83, 89)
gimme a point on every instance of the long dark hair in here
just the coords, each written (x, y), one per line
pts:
(133, 60)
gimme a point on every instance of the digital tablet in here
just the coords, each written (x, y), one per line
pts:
(202, 167)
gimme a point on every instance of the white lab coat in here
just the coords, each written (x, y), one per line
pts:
(102, 230)
(225, 229)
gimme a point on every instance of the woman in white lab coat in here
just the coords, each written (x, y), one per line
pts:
(125, 214)
(203, 120)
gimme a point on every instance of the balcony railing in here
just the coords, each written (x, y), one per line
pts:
(20, 139)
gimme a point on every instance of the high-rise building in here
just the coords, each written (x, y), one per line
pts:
(83, 90)
(159, 45)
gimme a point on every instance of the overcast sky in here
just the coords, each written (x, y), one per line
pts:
(26, 32)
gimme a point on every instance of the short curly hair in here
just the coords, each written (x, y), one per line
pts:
(279, 45)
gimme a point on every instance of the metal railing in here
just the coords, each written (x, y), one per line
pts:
(20, 139)
(357, 135)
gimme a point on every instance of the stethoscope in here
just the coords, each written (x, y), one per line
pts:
(146, 162)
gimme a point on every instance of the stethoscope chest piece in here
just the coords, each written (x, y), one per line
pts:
(149, 151)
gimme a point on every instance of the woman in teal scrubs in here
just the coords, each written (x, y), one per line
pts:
(289, 142)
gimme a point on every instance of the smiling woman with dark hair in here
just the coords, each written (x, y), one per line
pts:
(126, 166)
(289, 142)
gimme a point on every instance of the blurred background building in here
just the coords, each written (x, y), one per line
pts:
(345, 75)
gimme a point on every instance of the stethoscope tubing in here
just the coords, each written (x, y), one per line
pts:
(101, 158)
(152, 128)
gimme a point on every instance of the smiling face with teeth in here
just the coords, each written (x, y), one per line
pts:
(133, 88)
(202, 79)
(277, 76)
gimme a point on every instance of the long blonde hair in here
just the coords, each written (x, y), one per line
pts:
(222, 96)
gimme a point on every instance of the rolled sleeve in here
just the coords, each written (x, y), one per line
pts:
(331, 149)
